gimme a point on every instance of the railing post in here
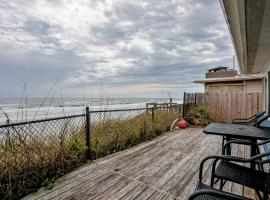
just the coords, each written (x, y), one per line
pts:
(184, 110)
(153, 115)
(170, 105)
(8, 134)
(87, 133)
(180, 110)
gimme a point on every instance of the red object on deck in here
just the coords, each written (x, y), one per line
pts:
(182, 124)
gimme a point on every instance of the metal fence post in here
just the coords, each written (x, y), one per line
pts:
(87, 133)
(184, 110)
(153, 115)
(8, 134)
(170, 105)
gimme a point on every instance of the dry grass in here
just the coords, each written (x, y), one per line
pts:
(30, 158)
(115, 135)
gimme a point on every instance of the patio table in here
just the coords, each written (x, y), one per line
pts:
(237, 131)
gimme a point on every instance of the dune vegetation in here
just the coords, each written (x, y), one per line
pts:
(35, 155)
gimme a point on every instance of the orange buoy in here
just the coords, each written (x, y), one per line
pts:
(182, 124)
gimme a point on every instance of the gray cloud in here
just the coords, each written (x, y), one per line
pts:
(132, 48)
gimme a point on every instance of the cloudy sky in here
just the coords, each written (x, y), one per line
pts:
(140, 48)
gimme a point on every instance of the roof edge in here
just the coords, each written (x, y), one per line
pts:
(228, 79)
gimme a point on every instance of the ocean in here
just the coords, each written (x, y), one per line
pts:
(17, 109)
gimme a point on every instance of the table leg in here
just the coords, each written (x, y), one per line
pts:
(253, 152)
(228, 151)
(222, 145)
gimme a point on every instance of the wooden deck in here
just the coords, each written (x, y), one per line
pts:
(165, 168)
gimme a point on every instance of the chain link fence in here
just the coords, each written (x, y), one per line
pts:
(35, 153)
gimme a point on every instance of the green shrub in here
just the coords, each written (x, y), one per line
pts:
(189, 120)
(76, 146)
(48, 183)
(199, 115)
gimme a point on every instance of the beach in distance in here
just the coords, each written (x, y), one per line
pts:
(17, 109)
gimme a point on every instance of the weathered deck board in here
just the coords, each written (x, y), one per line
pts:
(164, 168)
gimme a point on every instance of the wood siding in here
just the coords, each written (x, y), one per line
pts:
(248, 86)
(228, 106)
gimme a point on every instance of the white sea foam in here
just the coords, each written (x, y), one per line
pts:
(38, 109)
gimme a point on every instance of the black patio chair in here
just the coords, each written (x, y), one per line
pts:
(206, 192)
(211, 194)
(224, 169)
(255, 145)
(253, 120)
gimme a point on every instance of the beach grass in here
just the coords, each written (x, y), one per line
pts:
(35, 156)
